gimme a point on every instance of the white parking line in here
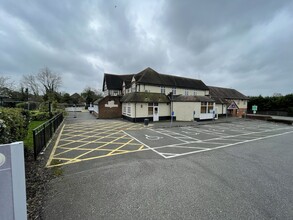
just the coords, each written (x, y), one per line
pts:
(144, 144)
(175, 135)
(229, 145)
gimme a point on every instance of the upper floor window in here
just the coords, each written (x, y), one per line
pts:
(186, 91)
(194, 92)
(163, 89)
(174, 91)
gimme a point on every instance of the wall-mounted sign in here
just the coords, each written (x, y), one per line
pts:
(111, 104)
(233, 106)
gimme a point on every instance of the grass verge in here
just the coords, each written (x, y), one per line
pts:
(28, 141)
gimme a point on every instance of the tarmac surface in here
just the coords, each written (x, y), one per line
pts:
(113, 169)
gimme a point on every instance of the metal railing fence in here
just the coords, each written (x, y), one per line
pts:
(43, 133)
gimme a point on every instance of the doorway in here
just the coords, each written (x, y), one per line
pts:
(156, 113)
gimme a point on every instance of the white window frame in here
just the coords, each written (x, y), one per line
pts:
(186, 92)
(163, 90)
(128, 109)
(174, 90)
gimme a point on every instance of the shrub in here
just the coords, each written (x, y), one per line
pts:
(13, 125)
(31, 106)
(39, 116)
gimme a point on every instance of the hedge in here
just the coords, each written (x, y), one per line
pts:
(13, 125)
(31, 106)
(40, 116)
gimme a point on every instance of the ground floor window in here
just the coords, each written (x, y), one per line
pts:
(203, 108)
(206, 107)
(151, 107)
(128, 113)
(124, 109)
(210, 107)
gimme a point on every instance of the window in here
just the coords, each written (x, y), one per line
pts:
(194, 92)
(203, 108)
(210, 107)
(150, 109)
(174, 91)
(128, 109)
(244, 102)
(163, 89)
(124, 109)
(186, 91)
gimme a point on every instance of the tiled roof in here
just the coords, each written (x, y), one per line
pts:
(226, 93)
(145, 97)
(115, 82)
(183, 98)
(151, 77)
(220, 100)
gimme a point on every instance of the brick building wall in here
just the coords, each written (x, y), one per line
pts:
(110, 107)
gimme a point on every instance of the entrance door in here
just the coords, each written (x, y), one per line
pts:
(156, 113)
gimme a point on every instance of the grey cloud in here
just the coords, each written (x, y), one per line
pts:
(225, 43)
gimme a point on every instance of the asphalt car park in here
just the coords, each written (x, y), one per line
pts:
(180, 141)
(90, 140)
(114, 169)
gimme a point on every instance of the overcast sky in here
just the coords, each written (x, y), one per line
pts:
(241, 44)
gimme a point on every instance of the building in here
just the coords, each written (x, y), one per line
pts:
(155, 96)
(229, 100)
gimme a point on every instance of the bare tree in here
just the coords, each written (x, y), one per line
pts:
(5, 85)
(50, 80)
(30, 82)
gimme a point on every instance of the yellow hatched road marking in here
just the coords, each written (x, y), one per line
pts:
(95, 149)
(120, 147)
(55, 146)
(111, 131)
(82, 145)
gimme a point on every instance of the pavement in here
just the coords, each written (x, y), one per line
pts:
(273, 118)
(240, 169)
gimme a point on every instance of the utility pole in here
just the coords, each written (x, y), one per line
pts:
(28, 104)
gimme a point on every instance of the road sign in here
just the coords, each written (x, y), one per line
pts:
(233, 106)
(254, 108)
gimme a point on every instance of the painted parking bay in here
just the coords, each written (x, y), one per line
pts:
(181, 141)
(90, 140)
